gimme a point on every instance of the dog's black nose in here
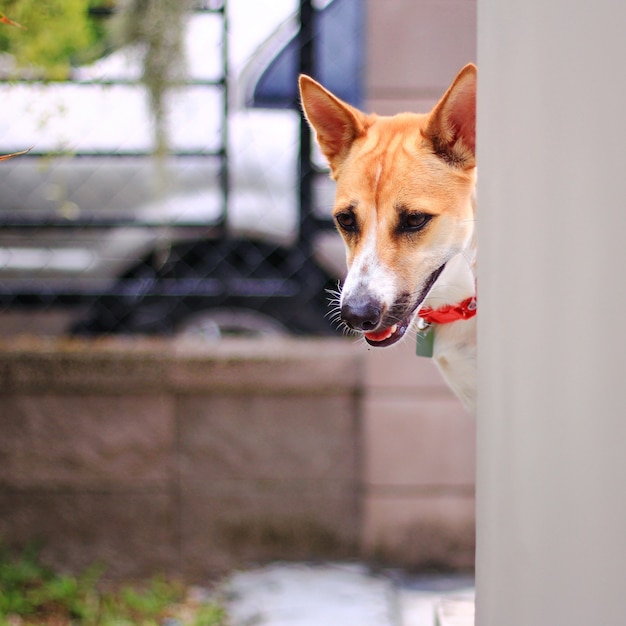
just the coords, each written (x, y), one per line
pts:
(361, 315)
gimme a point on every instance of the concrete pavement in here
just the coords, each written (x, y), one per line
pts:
(295, 594)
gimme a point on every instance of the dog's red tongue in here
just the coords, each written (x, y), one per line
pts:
(380, 335)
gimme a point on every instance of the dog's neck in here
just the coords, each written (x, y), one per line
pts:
(458, 280)
(456, 283)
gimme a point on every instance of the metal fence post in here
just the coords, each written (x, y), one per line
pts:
(306, 63)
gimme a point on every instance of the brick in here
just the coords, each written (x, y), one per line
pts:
(132, 534)
(437, 38)
(285, 365)
(410, 103)
(267, 477)
(400, 370)
(119, 367)
(428, 441)
(225, 437)
(424, 531)
(90, 372)
(256, 521)
(72, 442)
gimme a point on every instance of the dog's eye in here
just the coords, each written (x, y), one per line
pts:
(346, 221)
(414, 222)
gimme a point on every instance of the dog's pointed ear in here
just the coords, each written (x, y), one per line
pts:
(336, 123)
(452, 125)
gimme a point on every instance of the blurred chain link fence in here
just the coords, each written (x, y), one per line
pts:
(229, 232)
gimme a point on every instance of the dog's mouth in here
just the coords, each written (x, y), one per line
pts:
(390, 334)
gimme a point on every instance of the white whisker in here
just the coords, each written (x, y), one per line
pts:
(334, 315)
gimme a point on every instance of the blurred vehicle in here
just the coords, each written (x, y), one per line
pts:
(207, 239)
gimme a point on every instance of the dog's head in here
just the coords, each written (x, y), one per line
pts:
(404, 199)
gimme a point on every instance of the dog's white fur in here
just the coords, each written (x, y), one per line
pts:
(455, 345)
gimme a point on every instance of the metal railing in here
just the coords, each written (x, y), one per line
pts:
(184, 267)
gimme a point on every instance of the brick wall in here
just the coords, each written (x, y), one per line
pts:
(162, 456)
(419, 463)
(418, 441)
(414, 50)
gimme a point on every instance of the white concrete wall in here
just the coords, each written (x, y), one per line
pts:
(552, 410)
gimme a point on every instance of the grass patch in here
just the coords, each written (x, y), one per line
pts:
(31, 593)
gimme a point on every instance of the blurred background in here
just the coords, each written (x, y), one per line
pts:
(172, 189)
(171, 186)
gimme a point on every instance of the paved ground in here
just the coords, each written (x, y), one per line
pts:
(347, 595)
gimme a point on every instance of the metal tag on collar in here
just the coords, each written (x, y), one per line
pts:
(425, 339)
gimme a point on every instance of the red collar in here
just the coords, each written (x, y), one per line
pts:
(449, 313)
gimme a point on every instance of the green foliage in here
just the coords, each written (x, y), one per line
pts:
(210, 615)
(32, 594)
(55, 34)
(151, 600)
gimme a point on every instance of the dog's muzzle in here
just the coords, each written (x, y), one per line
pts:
(383, 327)
(366, 315)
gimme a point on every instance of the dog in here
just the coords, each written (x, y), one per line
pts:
(405, 207)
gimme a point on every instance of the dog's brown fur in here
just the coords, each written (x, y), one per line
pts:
(404, 207)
